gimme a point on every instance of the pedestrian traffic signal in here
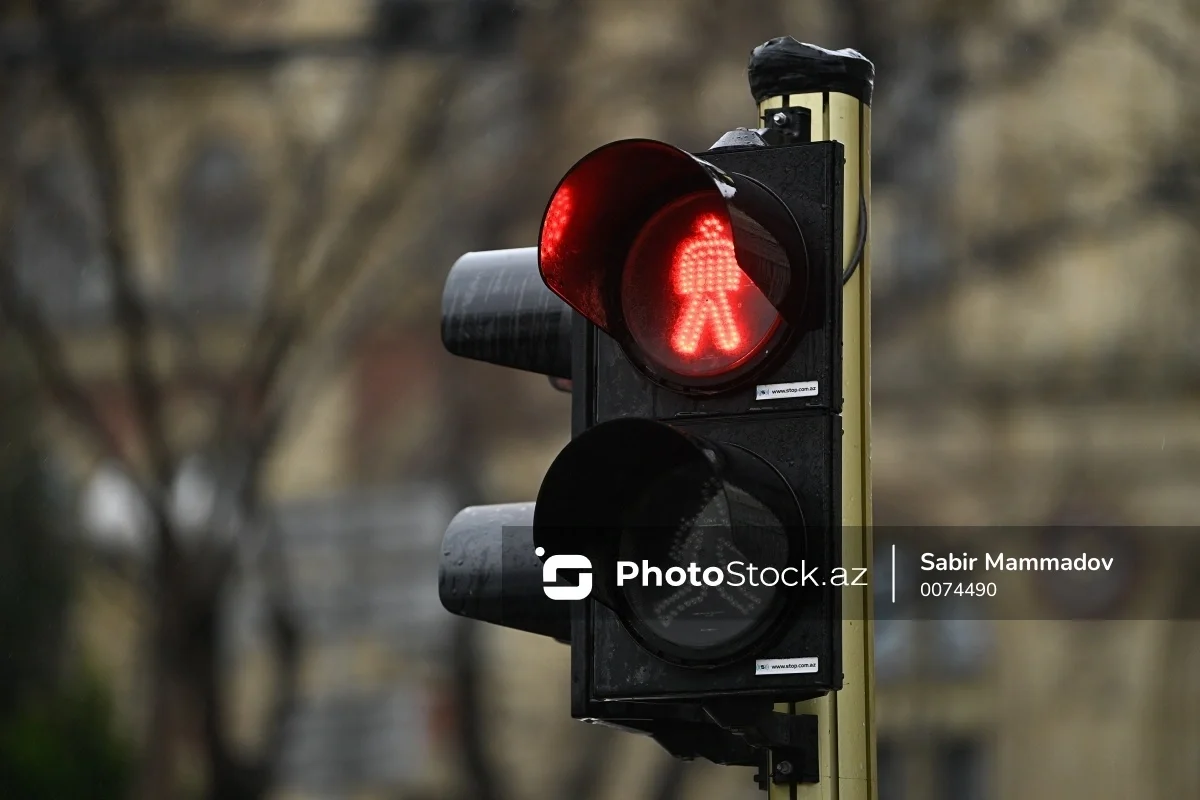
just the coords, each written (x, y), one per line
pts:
(695, 303)
(697, 273)
(707, 400)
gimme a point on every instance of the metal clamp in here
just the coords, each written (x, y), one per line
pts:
(792, 125)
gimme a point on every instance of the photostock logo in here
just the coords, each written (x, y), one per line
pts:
(734, 574)
(565, 562)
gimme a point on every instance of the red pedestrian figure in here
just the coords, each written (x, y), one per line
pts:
(705, 273)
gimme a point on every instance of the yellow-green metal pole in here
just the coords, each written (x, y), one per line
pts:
(846, 718)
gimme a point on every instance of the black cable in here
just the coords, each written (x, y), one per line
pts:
(862, 240)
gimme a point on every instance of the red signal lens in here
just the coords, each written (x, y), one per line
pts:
(555, 223)
(688, 304)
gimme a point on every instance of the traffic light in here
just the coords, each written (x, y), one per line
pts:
(695, 303)
(706, 414)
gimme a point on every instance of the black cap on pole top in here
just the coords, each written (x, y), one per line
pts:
(784, 66)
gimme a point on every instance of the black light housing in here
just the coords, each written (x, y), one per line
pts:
(488, 572)
(496, 308)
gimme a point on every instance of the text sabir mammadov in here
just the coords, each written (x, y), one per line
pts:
(930, 562)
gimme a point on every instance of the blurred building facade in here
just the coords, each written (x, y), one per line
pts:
(1037, 360)
(1035, 365)
(206, 152)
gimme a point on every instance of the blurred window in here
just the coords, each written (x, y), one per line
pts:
(221, 257)
(57, 246)
(363, 573)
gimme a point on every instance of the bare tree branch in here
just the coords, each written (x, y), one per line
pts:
(247, 457)
(48, 357)
(96, 130)
(466, 665)
(285, 637)
(255, 436)
(194, 366)
(169, 627)
(388, 200)
(1035, 46)
(19, 93)
(312, 172)
(295, 342)
(23, 316)
(1008, 252)
(233, 777)
(284, 335)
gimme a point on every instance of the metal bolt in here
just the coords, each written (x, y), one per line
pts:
(784, 768)
(780, 118)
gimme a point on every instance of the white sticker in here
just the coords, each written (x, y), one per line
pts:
(784, 666)
(773, 391)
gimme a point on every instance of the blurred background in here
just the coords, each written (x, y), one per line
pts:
(230, 438)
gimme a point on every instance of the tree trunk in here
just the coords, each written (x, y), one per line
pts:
(471, 717)
(157, 776)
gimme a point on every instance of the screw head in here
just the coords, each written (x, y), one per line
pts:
(780, 118)
(784, 768)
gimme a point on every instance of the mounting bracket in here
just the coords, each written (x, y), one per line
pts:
(788, 742)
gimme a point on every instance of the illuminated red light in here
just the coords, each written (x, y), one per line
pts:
(706, 272)
(688, 305)
(555, 224)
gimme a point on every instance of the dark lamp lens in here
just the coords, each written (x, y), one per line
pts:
(726, 609)
(688, 305)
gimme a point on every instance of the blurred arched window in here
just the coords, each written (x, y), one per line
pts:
(220, 262)
(56, 239)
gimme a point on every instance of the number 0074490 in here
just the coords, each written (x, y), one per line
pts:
(950, 589)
